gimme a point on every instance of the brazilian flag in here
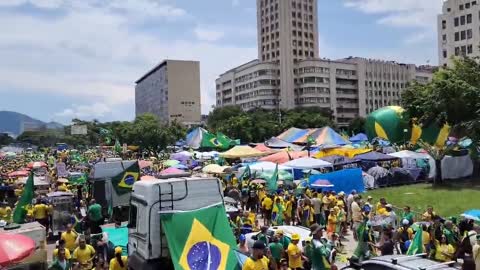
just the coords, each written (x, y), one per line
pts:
(200, 239)
(416, 246)
(27, 196)
(209, 140)
(123, 182)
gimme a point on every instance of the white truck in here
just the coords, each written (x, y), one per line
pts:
(147, 244)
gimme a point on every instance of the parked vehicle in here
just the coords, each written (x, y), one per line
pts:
(401, 262)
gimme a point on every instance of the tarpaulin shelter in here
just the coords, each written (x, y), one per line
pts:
(307, 163)
(323, 136)
(344, 180)
(371, 159)
(242, 151)
(284, 156)
(341, 151)
(171, 170)
(278, 143)
(360, 137)
(262, 148)
(292, 134)
(266, 166)
(214, 168)
(341, 162)
(409, 159)
(181, 156)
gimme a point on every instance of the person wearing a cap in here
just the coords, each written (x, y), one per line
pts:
(282, 239)
(404, 234)
(408, 215)
(119, 262)
(294, 253)
(320, 252)
(242, 245)
(392, 217)
(258, 261)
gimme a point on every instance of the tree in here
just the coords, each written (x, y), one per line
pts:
(5, 139)
(219, 115)
(357, 125)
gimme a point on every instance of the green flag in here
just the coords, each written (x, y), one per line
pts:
(118, 147)
(223, 140)
(200, 239)
(124, 181)
(26, 199)
(362, 246)
(209, 140)
(272, 182)
(416, 246)
(247, 174)
(77, 179)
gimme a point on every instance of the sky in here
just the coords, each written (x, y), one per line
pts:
(64, 59)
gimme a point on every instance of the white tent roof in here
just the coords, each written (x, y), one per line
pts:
(405, 154)
(267, 166)
(307, 163)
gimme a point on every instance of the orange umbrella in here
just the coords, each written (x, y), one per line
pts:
(284, 156)
(14, 248)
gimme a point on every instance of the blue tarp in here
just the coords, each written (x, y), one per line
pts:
(344, 180)
(360, 137)
(374, 156)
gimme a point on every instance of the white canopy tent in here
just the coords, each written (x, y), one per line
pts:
(307, 163)
(409, 157)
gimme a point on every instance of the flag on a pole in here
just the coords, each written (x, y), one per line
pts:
(272, 182)
(200, 239)
(416, 246)
(247, 174)
(124, 181)
(27, 196)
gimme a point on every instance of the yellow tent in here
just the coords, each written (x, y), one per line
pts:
(341, 151)
(214, 168)
(242, 151)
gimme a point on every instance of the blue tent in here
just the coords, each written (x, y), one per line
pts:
(344, 180)
(360, 137)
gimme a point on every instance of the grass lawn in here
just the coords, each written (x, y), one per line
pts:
(451, 200)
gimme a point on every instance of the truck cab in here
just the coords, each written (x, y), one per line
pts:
(147, 244)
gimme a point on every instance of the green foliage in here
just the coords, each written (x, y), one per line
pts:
(259, 125)
(357, 125)
(5, 139)
(452, 97)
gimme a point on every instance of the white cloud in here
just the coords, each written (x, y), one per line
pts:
(206, 34)
(416, 38)
(89, 111)
(235, 3)
(92, 55)
(47, 4)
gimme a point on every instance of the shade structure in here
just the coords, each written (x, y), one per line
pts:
(144, 164)
(375, 156)
(341, 151)
(171, 170)
(284, 156)
(180, 166)
(405, 155)
(18, 174)
(307, 163)
(262, 148)
(37, 164)
(323, 136)
(339, 160)
(14, 248)
(170, 163)
(292, 134)
(360, 137)
(147, 177)
(321, 183)
(258, 181)
(214, 168)
(282, 175)
(275, 142)
(266, 166)
(242, 151)
(181, 156)
(472, 214)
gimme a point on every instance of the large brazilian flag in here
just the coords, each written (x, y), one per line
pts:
(200, 239)
(123, 182)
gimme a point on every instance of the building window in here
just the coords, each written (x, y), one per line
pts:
(462, 20)
(464, 50)
(463, 35)
(444, 24)
(449, 9)
(467, 5)
(444, 37)
(474, 3)
(469, 33)
(461, 7)
(456, 21)
(457, 36)
(444, 54)
(469, 49)
(469, 18)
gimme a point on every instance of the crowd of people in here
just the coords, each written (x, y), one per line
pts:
(375, 226)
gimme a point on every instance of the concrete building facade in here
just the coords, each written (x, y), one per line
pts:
(289, 73)
(171, 91)
(458, 30)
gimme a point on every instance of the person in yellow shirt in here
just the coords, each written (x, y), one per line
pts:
(40, 213)
(429, 215)
(84, 254)
(5, 211)
(119, 262)
(332, 221)
(443, 250)
(326, 204)
(308, 193)
(61, 245)
(380, 208)
(294, 253)
(258, 261)
(69, 237)
(267, 205)
(288, 210)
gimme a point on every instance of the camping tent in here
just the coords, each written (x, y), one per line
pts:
(360, 137)
(266, 166)
(242, 151)
(323, 136)
(292, 134)
(409, 160)
(277, 143)
(284, 156)
(344, 180)
(262, 148)
(375, 156)
(341, 162)
(307, 163)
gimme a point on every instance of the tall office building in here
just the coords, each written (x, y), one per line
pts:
(458, 30)
(289, 73)
(171, 91)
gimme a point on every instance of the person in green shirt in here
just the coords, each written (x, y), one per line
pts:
(408, 215)
(276, 249)
(95, 216)
(282, 239)
(308, 252)
(61, 262)
(450, 234)
(262, 235)
(319, 252)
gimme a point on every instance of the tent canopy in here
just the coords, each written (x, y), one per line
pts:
(341, 151)
(375, 156)
(266, 166)
(339, 160)
(242, 151)
(262, 148)
(284, 156)
(360, 137)
(307, 163)
(323, 136)
(278, 143)
(292, 134)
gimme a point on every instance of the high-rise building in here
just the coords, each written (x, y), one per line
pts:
(458, 30)
(171, 91)
(289, 73)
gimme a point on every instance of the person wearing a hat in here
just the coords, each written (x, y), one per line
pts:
(320, 252)
(294, 253)
(258, 260)
(242, 245)
(119, 262)
(404, 234)
(282, 239)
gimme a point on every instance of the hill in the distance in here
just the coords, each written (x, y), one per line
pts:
(15, 123)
